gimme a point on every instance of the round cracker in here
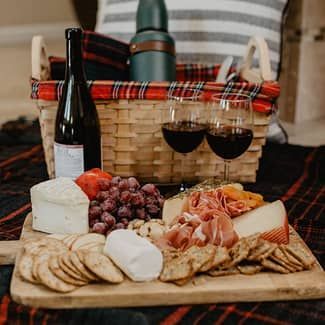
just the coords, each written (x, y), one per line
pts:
(81, 268)
(44, 255)
(58, 272)
(33, 246)
(102, 266)
(88, 239)
(68, 267)
(51, 281)
(25, 268)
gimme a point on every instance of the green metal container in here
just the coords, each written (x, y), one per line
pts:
(152, 48)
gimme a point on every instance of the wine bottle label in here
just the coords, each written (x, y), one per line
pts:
(68, 160)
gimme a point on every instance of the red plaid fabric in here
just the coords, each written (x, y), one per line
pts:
(264, 96)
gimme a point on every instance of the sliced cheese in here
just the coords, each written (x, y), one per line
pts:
(270, 220)
(173, 208)
(135, 256)
(59, 206)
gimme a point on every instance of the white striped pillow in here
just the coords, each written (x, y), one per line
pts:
(206, 31)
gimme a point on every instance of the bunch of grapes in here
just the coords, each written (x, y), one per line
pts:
(121, 200)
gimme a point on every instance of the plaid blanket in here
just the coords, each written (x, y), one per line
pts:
(263, 96)
(293, 173)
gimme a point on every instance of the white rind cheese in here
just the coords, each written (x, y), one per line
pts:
(59, 206)
(135, 256)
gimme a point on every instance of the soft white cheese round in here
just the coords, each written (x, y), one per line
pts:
(135, 256)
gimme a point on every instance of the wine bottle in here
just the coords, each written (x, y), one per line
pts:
(77, 144)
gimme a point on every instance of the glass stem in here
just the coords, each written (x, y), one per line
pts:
(226, 171)
(183, 185)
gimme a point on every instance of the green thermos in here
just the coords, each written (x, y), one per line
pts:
(152, 48)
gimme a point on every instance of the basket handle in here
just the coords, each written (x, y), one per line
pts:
(40, 62)
(264, 73)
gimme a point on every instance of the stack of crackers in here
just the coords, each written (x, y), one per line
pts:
(248, 256)
(49, 261)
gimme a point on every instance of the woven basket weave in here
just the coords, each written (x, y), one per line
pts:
(133, 143)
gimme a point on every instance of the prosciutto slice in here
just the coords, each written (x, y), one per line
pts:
(208, 221)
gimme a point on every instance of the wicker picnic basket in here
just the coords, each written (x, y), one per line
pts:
(131, 126)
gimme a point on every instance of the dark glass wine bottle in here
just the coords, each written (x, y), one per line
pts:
(77, 145)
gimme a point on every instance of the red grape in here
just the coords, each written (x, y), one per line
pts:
(125, 197)
(100, 228)
(104, 184)
(119, 225)
(161, 201)
(152, 209)
(125, 222)
(124, 212)
(123, 185)
(149, 189)
(94, 212)
(108, 205)
(114, 193)
(133, 183)
(92, 222)
(108, 219)
(140, 213)
(102, 195)
(138, 199)
(151, 200)
(115, 180)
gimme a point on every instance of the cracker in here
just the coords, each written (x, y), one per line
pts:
(282, 263)
(250, 269)
(103, 267)
(67, 267)
(57, 236)
(58, 272)
(87, 239)
(299, 252)
(182, 282)
(282, 259)
(253, 240)
(69, 239)
(238, 252)
(177, 269)
(51, 281)
(26, 267)
(81, 268)
(44, 255)
(219, 272)
(220, 256)
(270, 265)
(33, 246)
(200, 256)
(261, 251)
(298, 265)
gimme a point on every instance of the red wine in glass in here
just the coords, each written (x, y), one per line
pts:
(183, 136)
(229, 142)
(230, 127)
(184, 125)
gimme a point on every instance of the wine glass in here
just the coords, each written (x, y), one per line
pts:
(184, 125)
(230, 127)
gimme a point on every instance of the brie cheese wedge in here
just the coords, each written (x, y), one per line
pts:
(135, 256)
(59, 206)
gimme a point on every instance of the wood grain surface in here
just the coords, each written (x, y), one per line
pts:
(203, 289)
(8, 251)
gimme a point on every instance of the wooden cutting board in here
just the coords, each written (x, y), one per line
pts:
(204, 289)
(8, 251)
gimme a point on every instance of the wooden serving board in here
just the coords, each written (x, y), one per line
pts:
(8, 251)
(202, 290)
